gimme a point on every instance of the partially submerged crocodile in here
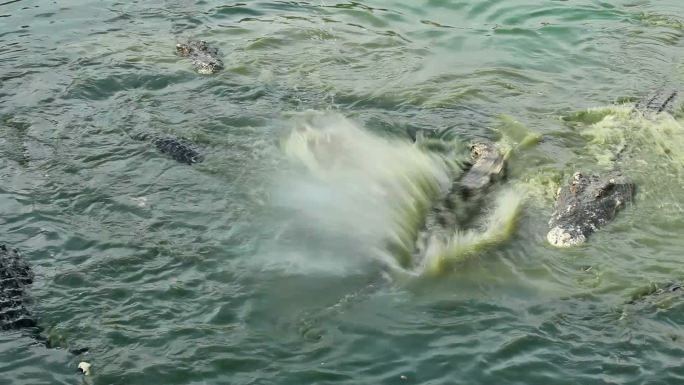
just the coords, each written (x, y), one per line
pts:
(488, 166)
(179, 149)
(654, 293)
(205, 59)
(470, 216)
(468, 193)
(589, 202)
(663, 100)
(15, 278)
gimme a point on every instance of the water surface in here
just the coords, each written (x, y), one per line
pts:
(245, 269)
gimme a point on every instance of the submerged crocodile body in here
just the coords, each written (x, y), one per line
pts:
(587, 204)
(590, 202)
(205, 59)
(654, 293)
(661, 101)
(15, 278)
(179, 149)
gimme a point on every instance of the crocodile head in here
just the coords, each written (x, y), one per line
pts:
(206, 64)
(585, 205)
(183, 49)
(205, 59)
(191, 47)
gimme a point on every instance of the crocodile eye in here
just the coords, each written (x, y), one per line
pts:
(606, 189)
(182, 49)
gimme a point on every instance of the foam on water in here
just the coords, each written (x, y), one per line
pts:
(377, 192)
(646, 147)
(443, 253)
(374, 194)
(655, 137)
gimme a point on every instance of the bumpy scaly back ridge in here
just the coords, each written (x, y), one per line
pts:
(15, 276)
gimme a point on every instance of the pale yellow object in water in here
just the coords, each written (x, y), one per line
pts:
(84, 367)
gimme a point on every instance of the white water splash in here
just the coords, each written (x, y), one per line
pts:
(374, 193)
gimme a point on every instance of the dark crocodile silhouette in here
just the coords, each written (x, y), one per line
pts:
(205, 59)
(179, 149)
(660, 101)
(15, 278)
(589, 202)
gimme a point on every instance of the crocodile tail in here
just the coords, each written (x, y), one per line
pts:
(662, 100)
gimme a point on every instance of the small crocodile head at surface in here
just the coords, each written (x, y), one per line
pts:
(207, 67)
(183, 49)
(193, 46)
(488, 166)
(205, 59)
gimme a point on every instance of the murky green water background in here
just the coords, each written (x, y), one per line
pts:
(176, 274)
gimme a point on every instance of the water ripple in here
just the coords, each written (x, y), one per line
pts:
(166, 271)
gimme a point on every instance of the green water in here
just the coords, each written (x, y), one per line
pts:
(247, 269)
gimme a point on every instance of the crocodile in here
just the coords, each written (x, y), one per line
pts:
(659, 101)
(179, 149)
(586, 204)
(654, 293)
(467, 196)
(487, 167)
(205, 59)
(589, 202)
(15, 278)
(461, 220)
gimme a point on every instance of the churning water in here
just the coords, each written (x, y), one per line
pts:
(298, 251)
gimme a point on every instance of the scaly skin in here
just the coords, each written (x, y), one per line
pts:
(587, 204)
(662, 100)
(590, 202)
(205, 59)
(15, 278)
(656, 293)
(488, 166)
(179, 149)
